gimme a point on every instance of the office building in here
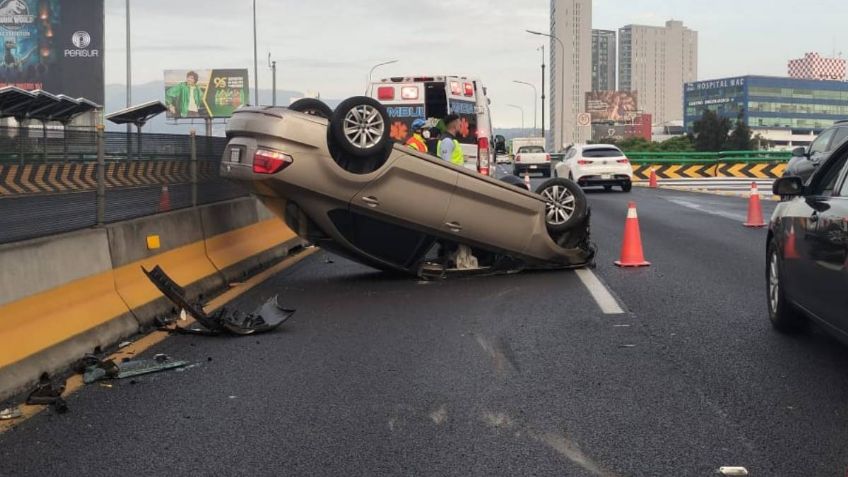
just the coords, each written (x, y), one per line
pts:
(816, 67)
(571, 23)
(604, 62)
(787, 112)
(656, 62)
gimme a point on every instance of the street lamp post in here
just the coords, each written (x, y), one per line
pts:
(273, 66)
(129, 66)
(368, 86)
(562, 83)
(543, 88)
(255, 61)
(535, 100)
(522, 114)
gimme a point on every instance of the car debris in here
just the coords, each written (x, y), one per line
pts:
(268, 317)
(109, 369)
(48, 394)
(10, 413)
(124, 344)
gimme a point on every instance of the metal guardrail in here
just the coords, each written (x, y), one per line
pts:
(708, 157)
(58, 183)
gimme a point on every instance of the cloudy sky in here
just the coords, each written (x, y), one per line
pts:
(329, 45)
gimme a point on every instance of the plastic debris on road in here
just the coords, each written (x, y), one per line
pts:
(109, 369)
(10, 413)
(733, 471)
(224, 321)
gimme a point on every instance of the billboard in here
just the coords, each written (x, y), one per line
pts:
(54, 45)
(611, 105)
(205, 93)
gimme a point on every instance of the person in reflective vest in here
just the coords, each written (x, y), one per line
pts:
(416, 141)
(449, 148)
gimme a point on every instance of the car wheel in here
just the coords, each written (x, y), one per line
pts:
(516, 181)
(565, 204)
(607, 188)
(784, 317)
(627, 186)
(312, 106)
(360, 126)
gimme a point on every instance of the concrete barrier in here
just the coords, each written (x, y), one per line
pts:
(63, 296)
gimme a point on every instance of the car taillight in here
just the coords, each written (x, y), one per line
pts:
(409, 92)
(548, 157)
(623, 161)
(266, 161)
(483, 155)
(583, 162)
(386, 93)
(469, 89)
(517, 158)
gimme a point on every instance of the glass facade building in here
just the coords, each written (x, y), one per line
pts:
(799, 105)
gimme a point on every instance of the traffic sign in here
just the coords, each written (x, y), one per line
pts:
(584, 119)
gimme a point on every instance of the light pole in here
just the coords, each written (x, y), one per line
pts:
(535, 100)
(273, 66)
(368, 86)
(522, 114)
(543, 88)
(255, 61)
(129, 66)
(561, 96)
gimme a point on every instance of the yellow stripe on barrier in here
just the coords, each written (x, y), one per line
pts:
(230, 248)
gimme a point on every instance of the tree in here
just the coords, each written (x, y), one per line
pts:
(710, 132)
(740, 138)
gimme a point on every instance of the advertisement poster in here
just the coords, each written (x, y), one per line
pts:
(611, 105)
(54, 45)
(205, 93)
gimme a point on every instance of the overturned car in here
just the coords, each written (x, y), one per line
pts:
(339, 182)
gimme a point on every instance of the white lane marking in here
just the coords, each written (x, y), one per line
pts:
(701, 208)
(605, 300)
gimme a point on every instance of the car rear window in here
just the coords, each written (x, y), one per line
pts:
(531, 150)
(602, 152)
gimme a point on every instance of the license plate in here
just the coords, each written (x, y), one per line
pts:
(533, 167)
(606, 176)
(235, 154)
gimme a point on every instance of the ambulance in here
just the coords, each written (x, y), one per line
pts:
(408, 98)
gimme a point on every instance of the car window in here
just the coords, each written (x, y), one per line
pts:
(821, 143)
(839, 138)
(826, 185)
(602, 152)
(531, 150)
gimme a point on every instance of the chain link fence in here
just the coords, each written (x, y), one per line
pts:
(54, 181)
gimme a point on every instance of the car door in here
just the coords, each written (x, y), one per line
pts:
(413, 190)
(819, 151)
(824, 250)
(488, 213)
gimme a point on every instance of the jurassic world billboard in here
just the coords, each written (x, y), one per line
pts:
(54, 45)
(204, 93)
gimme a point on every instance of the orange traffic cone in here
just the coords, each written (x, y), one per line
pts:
(789, 248)
(652, 181)
(165, 199)
(527, 179)
(755, 209)
(631, 247)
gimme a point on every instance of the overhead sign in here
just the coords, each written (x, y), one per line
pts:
(205, 93)
(54, 45)
(611, 105)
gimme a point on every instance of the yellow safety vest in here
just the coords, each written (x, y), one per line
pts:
(456, 157)
(417, 142)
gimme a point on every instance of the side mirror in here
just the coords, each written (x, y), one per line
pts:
(799, 152)
(788, 187)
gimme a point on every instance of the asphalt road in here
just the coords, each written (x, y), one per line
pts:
(510, 375)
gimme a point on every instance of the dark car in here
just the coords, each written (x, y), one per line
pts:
(807, 260)
(805, 161)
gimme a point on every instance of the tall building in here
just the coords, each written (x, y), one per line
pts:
(787, 112)
(816, 67)
(571, 23)
(603, 60)
(656, 62)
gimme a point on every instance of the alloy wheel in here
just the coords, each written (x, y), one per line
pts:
(559, 204)
(364, 126)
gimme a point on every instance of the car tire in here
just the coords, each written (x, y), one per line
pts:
(360, 126)
(515, 181)
(313, 107)
(627, 186)
(784, 317)
(565, 204)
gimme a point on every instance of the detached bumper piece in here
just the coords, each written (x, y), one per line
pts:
(268, 317)
(109, 369)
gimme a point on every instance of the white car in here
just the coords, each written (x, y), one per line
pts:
(596, 165)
